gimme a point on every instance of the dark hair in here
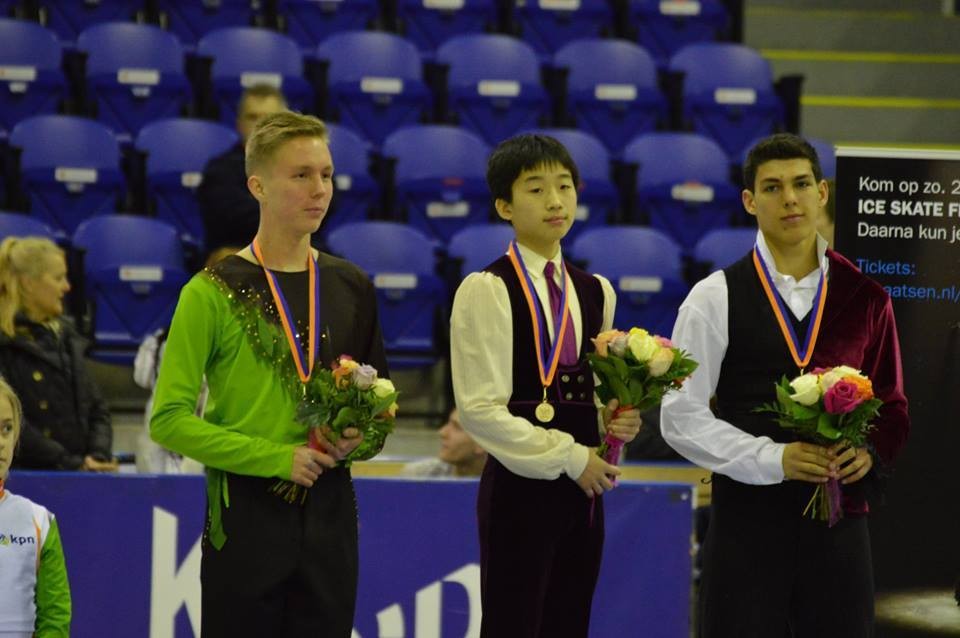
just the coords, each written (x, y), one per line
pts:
(523, 153)
(782, 146)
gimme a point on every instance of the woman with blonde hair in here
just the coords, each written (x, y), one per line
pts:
(66, 422)
(33, 574)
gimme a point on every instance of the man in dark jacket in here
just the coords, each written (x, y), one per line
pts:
(230, 213)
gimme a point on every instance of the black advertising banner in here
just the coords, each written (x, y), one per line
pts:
(898, 220)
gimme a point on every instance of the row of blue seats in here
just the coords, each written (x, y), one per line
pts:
(375, 82)
(70, 169)
(661, 25)
(133, 268)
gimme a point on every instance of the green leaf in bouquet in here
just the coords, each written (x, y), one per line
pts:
(826, 427)
(383, 404)
(621, 367)
(783, 396)
(602, 367)
(619, 389)
(804, 427)
(346, 417)
(801, 412)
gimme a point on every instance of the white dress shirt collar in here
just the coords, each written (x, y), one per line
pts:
(535, 262)
(779, 277)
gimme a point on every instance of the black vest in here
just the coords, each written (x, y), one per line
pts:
(757, 354)
(571, 392)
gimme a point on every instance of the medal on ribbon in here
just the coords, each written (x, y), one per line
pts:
(547, 361)
(801, 353)
(303, 361)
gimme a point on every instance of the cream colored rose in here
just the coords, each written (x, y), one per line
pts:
(660, 362)
(806, 389)
(828, 379)
(383, 387)
(642, 345)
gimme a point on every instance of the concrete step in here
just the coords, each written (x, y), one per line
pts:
(902, 32)
(877, 74)
(898, 6)
(904, 122)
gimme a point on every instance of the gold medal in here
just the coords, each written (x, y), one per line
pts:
(544, 412)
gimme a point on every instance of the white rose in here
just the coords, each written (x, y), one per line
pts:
(806, 389)
(383, 387)
(642, 345)
(828, 379)
(660, 362)
(618, 345)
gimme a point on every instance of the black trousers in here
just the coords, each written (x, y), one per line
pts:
(768, 572)
(285, 569)
(540, 553)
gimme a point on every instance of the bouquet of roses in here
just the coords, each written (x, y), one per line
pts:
(348, 395)
(637, 369)
(825, 406)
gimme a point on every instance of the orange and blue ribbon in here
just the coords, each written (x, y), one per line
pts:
(304, 362)
(547, 365)
(801, 355)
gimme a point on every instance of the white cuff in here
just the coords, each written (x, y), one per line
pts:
(770, 463)
(577, 462)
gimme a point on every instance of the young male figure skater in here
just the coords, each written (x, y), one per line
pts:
(256, 324)
(767, 570)
(520, 331)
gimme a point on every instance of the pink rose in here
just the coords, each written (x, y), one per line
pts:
(842, 397)
(664, 342)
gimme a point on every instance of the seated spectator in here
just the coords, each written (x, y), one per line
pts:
(66, 422)
(459, 455)
(230, 213)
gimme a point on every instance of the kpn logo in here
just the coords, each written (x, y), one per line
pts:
(11, 539)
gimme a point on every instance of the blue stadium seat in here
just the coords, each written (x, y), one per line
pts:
(728, 94)
(480, 245)
(310, 22)
(20, 225)
(31, 82)
(645, 268)
(69, 168)
(683, 184)
(67, 18)
(356, 190)
(720, 248)
(665, 27)
(192, 20)
(429, 23)
(374, 81)
(550, 24)
(493, 85)
(133, 272)
(444, 189)
(135, 74)
(597, 196)
(612, 89)
(401, 261)
(244, 57)
(177, 151)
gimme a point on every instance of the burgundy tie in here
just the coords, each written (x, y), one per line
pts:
(568, 349)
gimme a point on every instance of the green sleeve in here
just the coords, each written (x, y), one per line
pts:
(191, 348)
(53, 588)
